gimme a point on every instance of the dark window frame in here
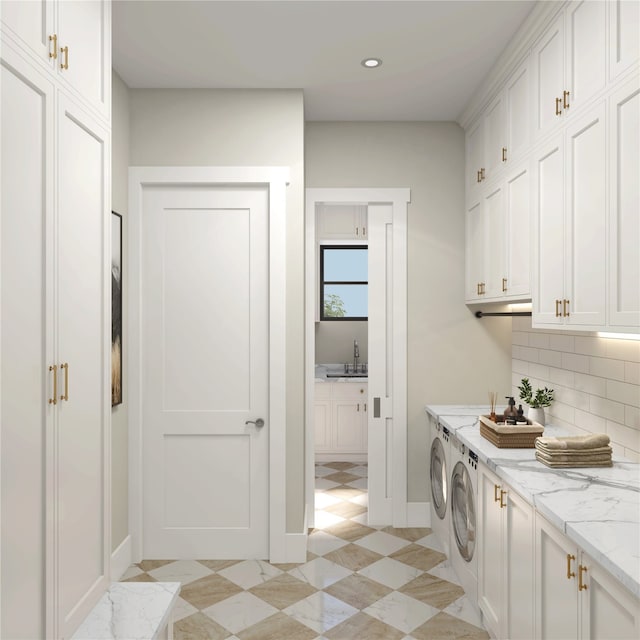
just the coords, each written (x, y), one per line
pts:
(323, 282)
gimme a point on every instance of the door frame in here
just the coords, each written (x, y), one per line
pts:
(275, 179)
(399, 199)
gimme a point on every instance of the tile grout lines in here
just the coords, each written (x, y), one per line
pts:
(359, 581)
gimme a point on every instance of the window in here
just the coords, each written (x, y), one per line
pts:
(343, 282)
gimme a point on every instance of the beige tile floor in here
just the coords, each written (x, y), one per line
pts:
(359, 582)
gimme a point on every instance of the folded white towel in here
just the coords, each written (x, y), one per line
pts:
(593, 441)
(572, 465)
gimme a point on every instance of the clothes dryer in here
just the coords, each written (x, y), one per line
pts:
(464, 499)
(439, 470)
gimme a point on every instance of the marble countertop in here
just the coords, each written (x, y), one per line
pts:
(323, 369)
(130, 611)
(597, 508)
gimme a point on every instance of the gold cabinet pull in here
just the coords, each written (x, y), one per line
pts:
(558, 103)
(365, 407)
(558, 314)
(482, 176)
(484, 287)
(502, 495)
(54, 54)
(570, 574)
(582, 586)
(565, 308)
(65, 64)
(364, 231)
(565, 99)
(54, 400)
(356, 231)
(358, 409)
(478, 179)
(504, 154)
(504, 284)
(496, 488)
(65, 396)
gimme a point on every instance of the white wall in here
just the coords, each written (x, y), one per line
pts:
(241, 128)
(119, 422)
(334, 341)
(596, 380)
(452, 356)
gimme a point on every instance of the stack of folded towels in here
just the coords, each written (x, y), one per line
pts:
(574, 451)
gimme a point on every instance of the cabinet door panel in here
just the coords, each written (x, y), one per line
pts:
(474, 157)
(518, 251)
(586, 50)
(341, 222)
(348, 425)
(518, 118)
(475, 248)
(84, 27)
(548, 59)
(495, 138)
(586, 220)
(495, 245)
(31, 22)
(548, 248)
(322, 425)
(26, 347)
(624, 35)
(83, 296)
(624, 153)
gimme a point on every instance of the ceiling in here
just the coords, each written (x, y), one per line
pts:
(435, 53)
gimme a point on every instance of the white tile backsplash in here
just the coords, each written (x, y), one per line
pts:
(597, 380)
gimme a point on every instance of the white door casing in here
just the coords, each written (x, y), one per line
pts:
(387, 325)
(216, 369)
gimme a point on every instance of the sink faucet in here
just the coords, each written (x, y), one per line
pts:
(356, 355)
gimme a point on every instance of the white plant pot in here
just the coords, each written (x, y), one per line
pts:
(536, 414)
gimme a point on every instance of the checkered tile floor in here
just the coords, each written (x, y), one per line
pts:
(359, 582)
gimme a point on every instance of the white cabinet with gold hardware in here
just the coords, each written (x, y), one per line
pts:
(569, 63)
(340, 421)
(55, 354)
(495, 137)
(517, 99)
(505, 558)
(69, 39)
(570, 226)
(574, 596)
(475, 163)
(341, 222)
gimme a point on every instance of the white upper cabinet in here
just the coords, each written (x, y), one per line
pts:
(475, 165)
(70, 39)
(624, 206)
(341, 222)
(475, 248)
(516, 279)
(518, 112)
(624, 35)
(495, 137)
(495, 243)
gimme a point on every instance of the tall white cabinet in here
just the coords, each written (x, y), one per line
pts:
(54, 315)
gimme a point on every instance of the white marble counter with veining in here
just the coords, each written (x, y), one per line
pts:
(597, 508)
(130, 611)
(322, 370)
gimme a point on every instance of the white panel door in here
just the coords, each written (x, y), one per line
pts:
(518, 249)
(205, 371)
(624, 214)
(83, 288)
(548, 233)
(474, 158)
(624, 35)
(495, 136)
(518, 110)
(475, 248)
(26, 347)
(586, 220)
(494, 247)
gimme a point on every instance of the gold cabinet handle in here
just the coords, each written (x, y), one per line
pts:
(65, 64)
(54, 54)
(558, 103)
(565, 308)
(358, 409)
(65, 366)
(502, 495)
(364, 231)
(482, 176)
(478, 179)
(565, 99)
(365, 407)
(356, 231)
(558, 314)
(570, 574)
(504, 154)
(504, 284)
(581, 585)
(484, 287)
(496, 488)
(54, 400)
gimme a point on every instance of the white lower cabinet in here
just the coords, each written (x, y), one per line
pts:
(340, 426)
(505, 560)
(574, 596)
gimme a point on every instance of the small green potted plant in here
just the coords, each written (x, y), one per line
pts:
(537, 401)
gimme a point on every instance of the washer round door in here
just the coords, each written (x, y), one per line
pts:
(438, 478)
(463, 511)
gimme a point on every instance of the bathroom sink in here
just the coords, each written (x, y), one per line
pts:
(347, 375)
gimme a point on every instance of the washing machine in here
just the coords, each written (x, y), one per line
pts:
(439, 470)
(463, 503)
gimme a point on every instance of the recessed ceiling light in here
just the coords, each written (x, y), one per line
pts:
(371, 63)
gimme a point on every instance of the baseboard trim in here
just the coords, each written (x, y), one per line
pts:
(418, 514)
(121, 559)
(296, 544)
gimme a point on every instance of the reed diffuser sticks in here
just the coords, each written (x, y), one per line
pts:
(493, 397)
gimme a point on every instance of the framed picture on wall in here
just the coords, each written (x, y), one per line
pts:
(116, 309)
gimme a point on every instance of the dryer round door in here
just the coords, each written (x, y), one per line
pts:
(438, 478)
(463, 511)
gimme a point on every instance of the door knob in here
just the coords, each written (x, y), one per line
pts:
(259, 422)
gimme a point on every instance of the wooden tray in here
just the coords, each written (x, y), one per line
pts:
(510, 436)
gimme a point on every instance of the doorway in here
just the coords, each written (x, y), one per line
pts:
(386, 429)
